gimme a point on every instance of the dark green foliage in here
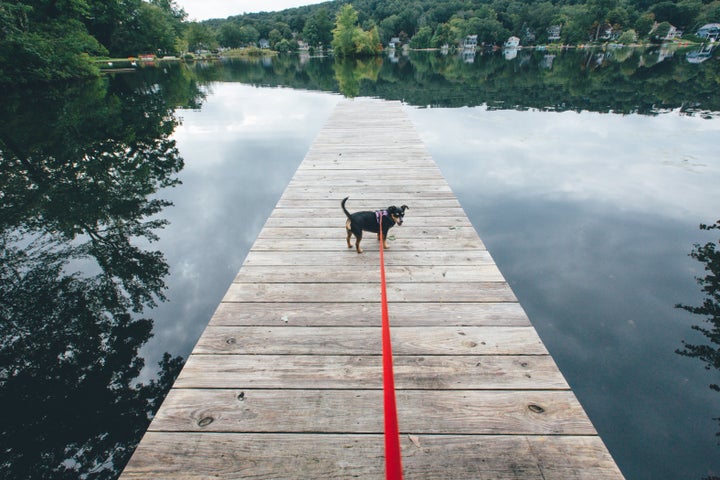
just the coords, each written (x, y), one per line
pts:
(708, 352)
(41, 41)
(81, 167)
(44, 41)
(709, 255)
(493, 21)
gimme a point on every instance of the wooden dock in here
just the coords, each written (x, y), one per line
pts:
(286, 381)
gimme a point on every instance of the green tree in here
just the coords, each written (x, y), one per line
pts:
(423, 38)
(274, 37)
(249, 35)
(343, 42)
(286, 46)
(318, 29)
(681, 14)
(442, 36)
(644, 24)
(349, 40)
(367, 43)
(40, 42)
(390, 27)
(199, 37)
(661, 31)
(230, 35)
(129, 27)
(628, 37)
(598, 11)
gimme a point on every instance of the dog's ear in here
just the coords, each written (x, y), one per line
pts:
(405, 207)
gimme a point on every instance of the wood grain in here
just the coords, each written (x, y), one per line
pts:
(286, 380)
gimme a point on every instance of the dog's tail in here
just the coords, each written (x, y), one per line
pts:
(342, 204)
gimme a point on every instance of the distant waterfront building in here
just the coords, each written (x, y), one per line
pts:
(512, 42)
(673, 33)
(554, 33)
(710, 31)
(470, 42)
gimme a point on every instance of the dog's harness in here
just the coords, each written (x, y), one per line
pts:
(379, 214)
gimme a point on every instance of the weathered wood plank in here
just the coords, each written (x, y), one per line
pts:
(369, 193)
(422, 205)
(366, 341)
(335, 213)
(185, 455)
(318, 220)
(395, 241)
(425, 181)
(411, 231)
(370, 258)
(431, 372)
(366, 314)
(477, 412)
(363, 292)
(363, 274)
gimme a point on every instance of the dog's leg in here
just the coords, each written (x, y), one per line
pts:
(358, 237)
(349, 233)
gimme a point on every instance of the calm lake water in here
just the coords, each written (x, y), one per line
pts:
(587, 176)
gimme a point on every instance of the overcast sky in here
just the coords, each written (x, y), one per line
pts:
(204, 9)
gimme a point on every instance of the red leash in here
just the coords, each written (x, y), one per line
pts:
(393, 463)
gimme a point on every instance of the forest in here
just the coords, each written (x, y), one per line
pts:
(44, 40)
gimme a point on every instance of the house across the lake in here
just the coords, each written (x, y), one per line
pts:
(710, 31)
(512, 42)
(554, 33)
(470, 42)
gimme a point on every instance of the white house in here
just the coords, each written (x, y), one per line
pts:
(512, 42)
(554, 33)
(710, 31)
(673, 33)
(470, 42)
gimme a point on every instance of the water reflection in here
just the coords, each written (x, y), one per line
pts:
(620, 80)
(82, 175)
(709, 353)
(701, 54)
(350, 73)
(589, 217)
(80, 167)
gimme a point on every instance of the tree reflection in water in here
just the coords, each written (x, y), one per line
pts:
(709, 353)
(79, 169)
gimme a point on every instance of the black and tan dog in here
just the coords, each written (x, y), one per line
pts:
(370, 222)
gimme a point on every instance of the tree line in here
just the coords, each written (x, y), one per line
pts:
(44, 40)
(433, 23)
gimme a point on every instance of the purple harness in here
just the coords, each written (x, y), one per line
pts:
(379, 214)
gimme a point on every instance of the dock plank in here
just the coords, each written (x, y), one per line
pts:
(365, 314)
(430, 372)
(191, 455)
(364, 341)
(493, 412)
(286, 380)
